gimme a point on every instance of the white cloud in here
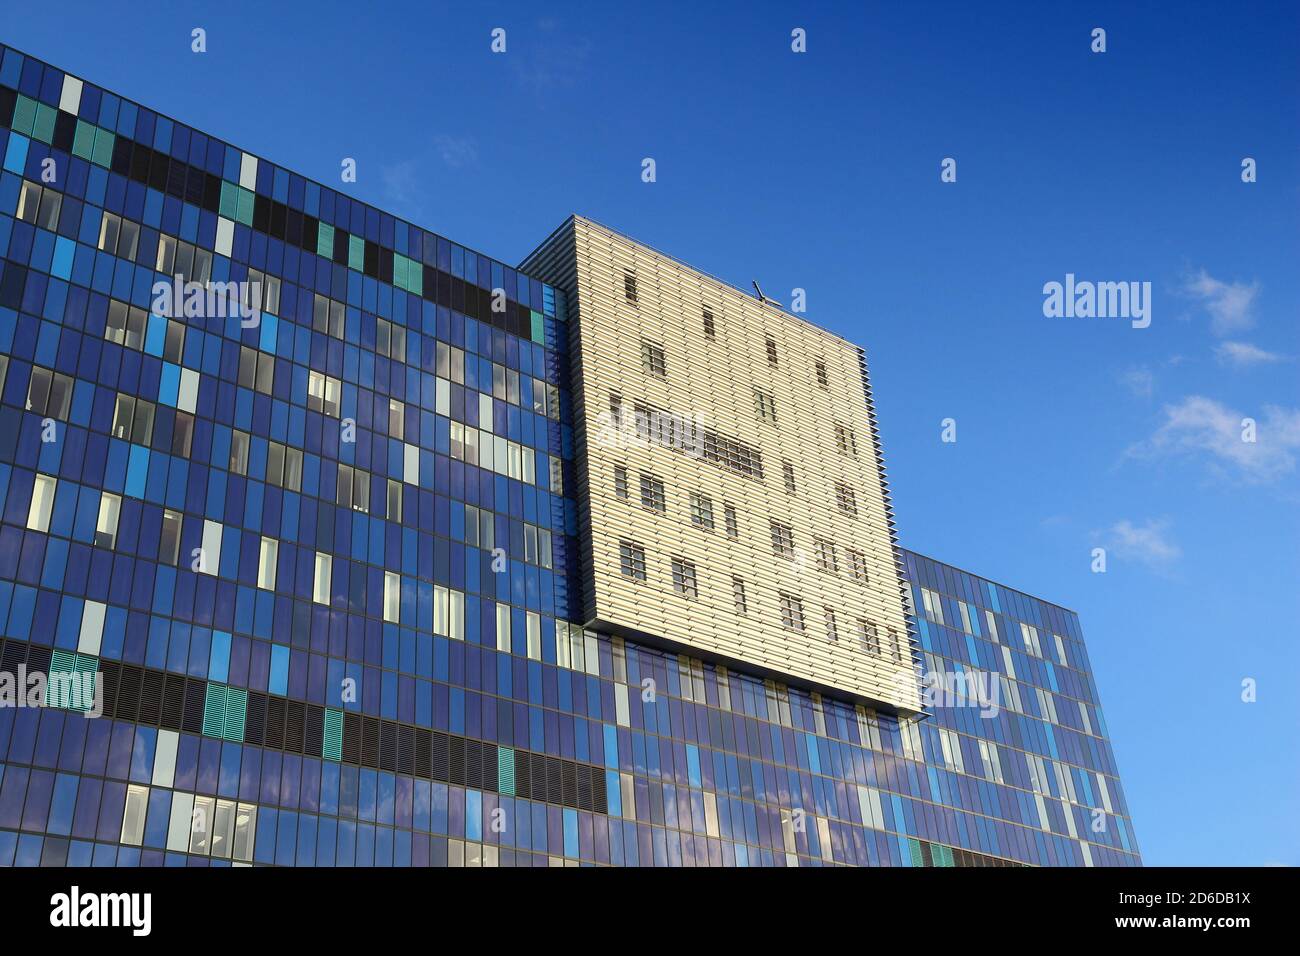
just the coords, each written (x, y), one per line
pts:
(1148, 543)
(1202, 428)
(1244, 355)
(1229, 303)
(457, 151)
(1139, 380)
(402, 186)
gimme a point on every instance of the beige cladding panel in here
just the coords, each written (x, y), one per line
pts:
(712, 382)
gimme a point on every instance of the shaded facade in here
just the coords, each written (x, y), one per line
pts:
(318, 560)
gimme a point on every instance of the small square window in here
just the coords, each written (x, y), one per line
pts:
(822, 378)
(684, 579)
(653, 359)
(631, 557)
(782, 539)
(653, 495)
(791, 612)
(702, 511)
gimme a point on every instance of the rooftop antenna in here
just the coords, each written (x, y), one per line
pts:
(762, 298)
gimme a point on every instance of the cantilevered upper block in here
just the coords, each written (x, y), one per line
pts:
(732, 498)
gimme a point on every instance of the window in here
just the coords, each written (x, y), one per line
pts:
(169, 540)
(684, 582)
(868, 637)
(653, 359)
(38, 514)
(738, 595)
(125, 325)
(210, 550)
(174, 342)
(787, 470)
(631, 559)
(262, 292)
(629, 286)
(323, 393)
(320, 592)
(771, 351)
(710, 329)
(256, 370)
(533, 625)
(845, 440)
(390, 340)
(826, 557)
(394, 501)
(503, 627)
(652, 494)
(267, 556)
(620, 482)
(4, 371)
(181, 258)
(327, 317)
(238, 452)
(283, 466)
(782, 539)
(137, 802)
(729, 520)
(896, 645)
(832, 629)
(49, 394)
(845, 499)
(166, 257)
(765, 405)
(119, 237)
(40, 206)
(858, 565)
(616, 411)
(791, 612)
(702, 511)
(822, 379)
(545, 556)
(133, 420)
(182, 434)
(29, 201)
(396, 419)
(353, 489)
(392, 596)
(110, 507)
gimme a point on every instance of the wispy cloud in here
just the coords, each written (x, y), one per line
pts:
(546, 57)
(402, 185)
(1147, 543)
(1207, 430)
(1230, 304)
(1245, 355)
(457, 151)
(406, 183)
(1139, 380)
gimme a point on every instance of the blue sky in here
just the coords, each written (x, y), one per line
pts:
(821, 171)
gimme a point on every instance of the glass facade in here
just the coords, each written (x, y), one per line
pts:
(294, 567)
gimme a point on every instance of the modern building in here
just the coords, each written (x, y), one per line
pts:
(327, 541)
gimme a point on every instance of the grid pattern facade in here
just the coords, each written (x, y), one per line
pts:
(319, 572)
(752, 432)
